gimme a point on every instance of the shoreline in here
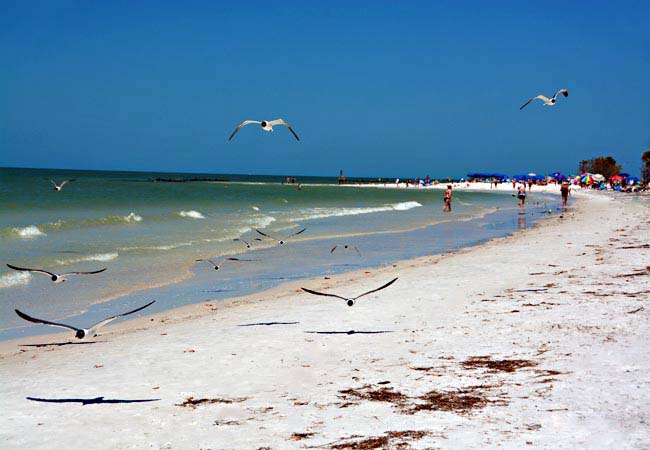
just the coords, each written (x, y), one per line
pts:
(273, 291)
(96, 310)
(548, 354)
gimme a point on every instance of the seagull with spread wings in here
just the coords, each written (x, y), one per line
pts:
(56, 277)
(280, 241)
(248, 245)
(547, 101)
(350, 301)
(58, 187)
(219, 263)
(267, 125)
(345, 247)
(81, 333)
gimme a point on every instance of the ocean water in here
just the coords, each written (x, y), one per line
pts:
(149, 234)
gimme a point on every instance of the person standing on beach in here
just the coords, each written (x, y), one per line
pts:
(564, 190)
(521, 195)
(447, 206)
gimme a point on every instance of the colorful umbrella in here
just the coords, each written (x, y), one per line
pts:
(598, 177)
(586, 178)
(616, 178)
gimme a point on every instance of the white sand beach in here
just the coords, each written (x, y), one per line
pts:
(535, 340)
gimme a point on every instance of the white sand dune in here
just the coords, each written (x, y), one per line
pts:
(540, 338)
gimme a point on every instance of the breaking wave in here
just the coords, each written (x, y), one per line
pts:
(29, 232)
(321, 213)
(192, 214)
(14, 279)
(96, 257)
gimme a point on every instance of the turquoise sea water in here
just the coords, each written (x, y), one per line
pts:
(149, 234)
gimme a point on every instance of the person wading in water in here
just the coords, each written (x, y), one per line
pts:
(447, 205)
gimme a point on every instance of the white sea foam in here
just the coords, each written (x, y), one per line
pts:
(255, 208)
(103, 257)
(321, 213)
(133, 217)
(155, 247)
(29, 232)
(262, 222)
(192, 214)
(14, 279)
(406, 206)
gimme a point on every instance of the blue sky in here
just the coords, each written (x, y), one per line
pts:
(376, 88)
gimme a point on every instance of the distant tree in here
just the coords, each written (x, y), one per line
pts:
(604, 165)
(645, 169)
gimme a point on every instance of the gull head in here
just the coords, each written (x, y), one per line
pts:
(350, 302)
(281, 242)
(216, 267)
(80, 334)
(264, 124)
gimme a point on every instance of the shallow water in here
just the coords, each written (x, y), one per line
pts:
(149, 234)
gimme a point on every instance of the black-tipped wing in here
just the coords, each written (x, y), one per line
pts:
(84, 273)
(333, 248)
(22, 315)
(297, 233)
(540, 97)
(109, 319)
(24, 269)
(378, 289)
(282, 122)
(561, 91)
(324, 294)
(527, 103)
(264, 234)
(241, 240)
(242, 125)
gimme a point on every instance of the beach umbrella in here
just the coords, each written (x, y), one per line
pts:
(586, 178)
(598, 177)
(632, 180)
(616, 178)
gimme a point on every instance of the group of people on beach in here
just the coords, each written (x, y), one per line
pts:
(565, 190)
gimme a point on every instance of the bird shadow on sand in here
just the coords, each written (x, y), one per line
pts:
(59, 344)
(350, 332)
(260, 324)
(91, 401)
(217, 290)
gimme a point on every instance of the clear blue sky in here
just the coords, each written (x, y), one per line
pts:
(381, 88)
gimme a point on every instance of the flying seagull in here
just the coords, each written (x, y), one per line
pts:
(346, 247)
(218, 264)
(547, 101)
(81, 333)
(350, 301)
(280, 241)
(267, 125)
(242, 240)
(56, 277)
(58, 187)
